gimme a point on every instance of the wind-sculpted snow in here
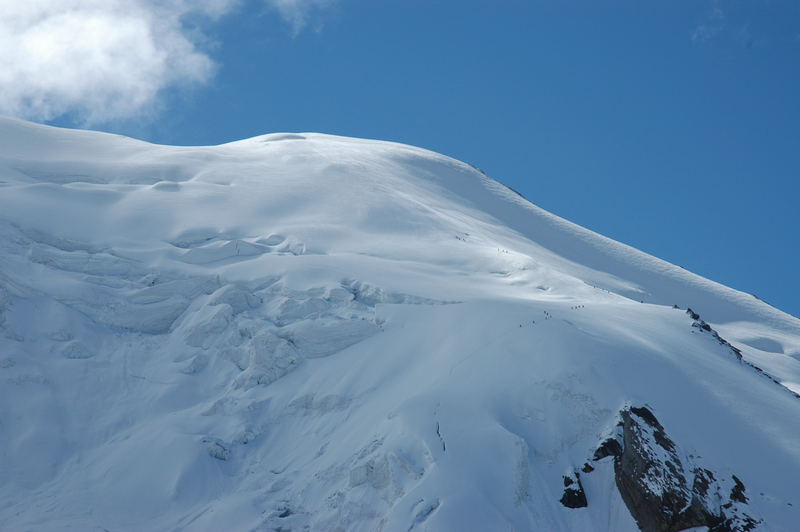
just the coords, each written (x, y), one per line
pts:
(308, 332)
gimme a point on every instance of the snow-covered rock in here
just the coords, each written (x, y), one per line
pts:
(308, 332)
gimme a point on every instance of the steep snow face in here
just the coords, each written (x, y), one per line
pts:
(305, 331)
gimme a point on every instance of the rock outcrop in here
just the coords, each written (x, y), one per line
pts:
(664, 489)
(574, 496)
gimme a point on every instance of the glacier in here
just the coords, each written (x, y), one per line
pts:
(311, 332)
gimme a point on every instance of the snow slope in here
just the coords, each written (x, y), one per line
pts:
(302, 331)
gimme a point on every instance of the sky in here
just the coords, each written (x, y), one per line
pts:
(672, 126)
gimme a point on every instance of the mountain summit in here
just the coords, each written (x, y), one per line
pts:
(310, 332)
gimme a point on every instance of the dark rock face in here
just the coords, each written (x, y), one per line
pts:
(610, 447)
(574, 496)
(651, 477)
(664, 490)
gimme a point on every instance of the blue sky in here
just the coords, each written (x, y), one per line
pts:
(672, 126)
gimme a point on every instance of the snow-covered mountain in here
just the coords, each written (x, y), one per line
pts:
(309, 332)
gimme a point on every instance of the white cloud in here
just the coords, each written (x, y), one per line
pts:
(104, 60)
(297, 12)
(712, 27)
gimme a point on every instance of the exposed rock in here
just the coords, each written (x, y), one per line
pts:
(574, 496)
(651, 477)
(610, 447)
(662, 488)
(737, 492)
(702, 325)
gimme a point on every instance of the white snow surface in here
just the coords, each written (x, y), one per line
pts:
(310, 332)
